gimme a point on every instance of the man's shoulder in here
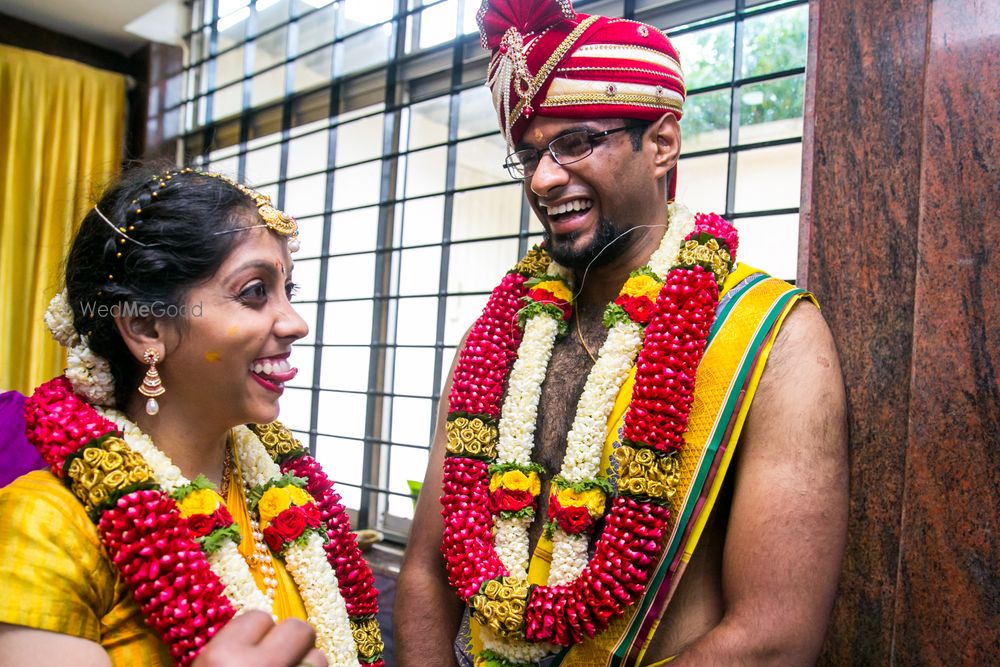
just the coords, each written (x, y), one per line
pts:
(750, 293)
(744, 273)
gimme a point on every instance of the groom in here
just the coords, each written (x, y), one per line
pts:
(738, 546)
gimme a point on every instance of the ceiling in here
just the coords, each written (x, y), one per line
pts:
(101, 22)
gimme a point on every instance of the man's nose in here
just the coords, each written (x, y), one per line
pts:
(548, 175)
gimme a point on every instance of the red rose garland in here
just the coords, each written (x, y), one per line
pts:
(172, 583)
(636, 525)
(59, 424)
(171, 580)
(490, 348)
(477, 389)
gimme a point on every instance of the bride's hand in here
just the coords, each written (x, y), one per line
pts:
(252, 638)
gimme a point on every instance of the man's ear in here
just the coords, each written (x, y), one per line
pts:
(666, 134)
(142, 332)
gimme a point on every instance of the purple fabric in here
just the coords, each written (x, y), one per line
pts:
(17, 456)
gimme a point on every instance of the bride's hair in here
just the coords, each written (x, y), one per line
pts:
(151, 238)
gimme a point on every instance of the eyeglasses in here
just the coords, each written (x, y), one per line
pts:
(567, 149)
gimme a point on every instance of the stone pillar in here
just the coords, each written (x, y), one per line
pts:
(899, 233)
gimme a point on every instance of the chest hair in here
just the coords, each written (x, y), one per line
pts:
(561, 390)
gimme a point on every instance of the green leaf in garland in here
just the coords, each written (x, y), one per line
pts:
(490, 658)
(534, 308)
(646, 271)
(287, 479)
(523, 513)
(217, 538)
(602, 483)
(550, 529)
(511, 465)
(615, 314)
(200, 482)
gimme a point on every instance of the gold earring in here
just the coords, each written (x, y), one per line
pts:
(151, 386)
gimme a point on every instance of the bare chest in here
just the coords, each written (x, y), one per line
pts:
(561, 390)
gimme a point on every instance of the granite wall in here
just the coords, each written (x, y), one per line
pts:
(899, 233)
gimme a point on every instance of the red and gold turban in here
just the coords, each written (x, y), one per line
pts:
(549, 60)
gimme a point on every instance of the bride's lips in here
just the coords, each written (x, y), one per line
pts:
(273, 372)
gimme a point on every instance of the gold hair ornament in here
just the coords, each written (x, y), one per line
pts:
(277, 221)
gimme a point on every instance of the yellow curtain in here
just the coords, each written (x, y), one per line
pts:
(62, 126)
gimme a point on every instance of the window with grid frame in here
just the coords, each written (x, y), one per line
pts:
(368, 120)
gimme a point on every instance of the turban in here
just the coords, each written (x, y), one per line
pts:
(548, 60)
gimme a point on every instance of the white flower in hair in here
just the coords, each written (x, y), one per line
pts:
(59, 320)
(90, 374)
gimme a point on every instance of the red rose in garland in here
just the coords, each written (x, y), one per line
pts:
(202, 524)
(505, 500)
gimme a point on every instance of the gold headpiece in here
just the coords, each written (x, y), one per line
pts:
(277, 221)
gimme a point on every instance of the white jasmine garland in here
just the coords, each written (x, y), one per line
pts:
(569, 557)
(90, 374)
(228, 563)
(511, 544)
(256, 464)
(515, 650)
(321, 595)
(517, 430)
(585, 441)
(59, 320)
(520, 409)
(681, 224)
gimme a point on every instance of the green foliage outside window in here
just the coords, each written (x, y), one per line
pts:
(772, 42)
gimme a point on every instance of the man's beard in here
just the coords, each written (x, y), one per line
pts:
(590, 255)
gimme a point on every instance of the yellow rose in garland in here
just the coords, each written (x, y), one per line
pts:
(273, 502)
(299, 496)
(642, 285)
(514, 490)
(202, 501)
(592, 499)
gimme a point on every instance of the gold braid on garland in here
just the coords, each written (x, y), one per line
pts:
(474, 437)
(104, 471)
(642, 473)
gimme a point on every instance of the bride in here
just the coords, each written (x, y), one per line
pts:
(174, 500)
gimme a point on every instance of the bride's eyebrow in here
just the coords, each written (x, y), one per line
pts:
(272, 268)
